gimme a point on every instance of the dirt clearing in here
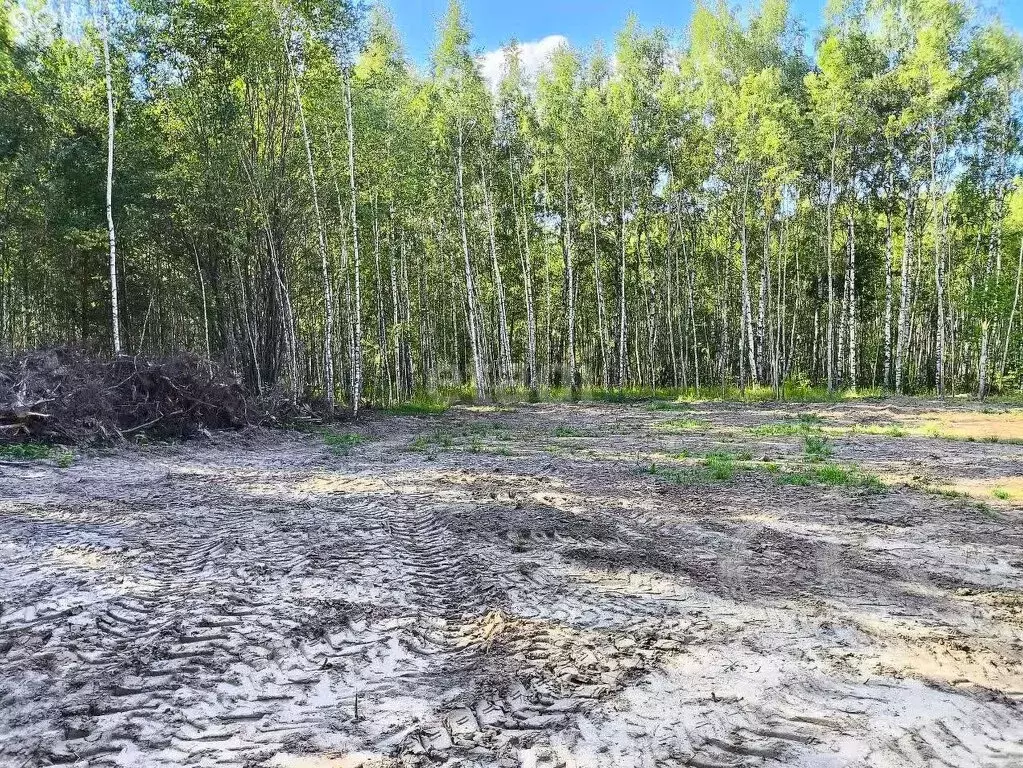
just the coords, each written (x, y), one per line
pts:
(549, 585)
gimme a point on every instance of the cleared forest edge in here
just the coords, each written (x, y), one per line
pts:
(69, 396)
(580, 585)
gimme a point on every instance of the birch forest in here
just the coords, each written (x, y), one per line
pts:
(740, 204)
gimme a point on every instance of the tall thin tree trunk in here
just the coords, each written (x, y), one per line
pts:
(888, 298)
(830, 333)
(1012, 314)
(383, 370)
(746, 339)
(622, 338)
(205, 313)
(527, 286)
(762, 309)
(470, 285)
(851, 278)
(939, 278)
(598, 288)
(357, 263)
(902, 342)
(570, 278)
(328, 298)
(398, 322)
(115, 317)
(504, 341)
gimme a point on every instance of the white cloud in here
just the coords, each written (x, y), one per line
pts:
(534, 57)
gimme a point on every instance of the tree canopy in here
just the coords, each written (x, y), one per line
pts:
(294, 197)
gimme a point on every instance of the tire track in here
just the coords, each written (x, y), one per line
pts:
(223, 606)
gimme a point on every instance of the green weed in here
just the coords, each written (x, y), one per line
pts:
(417, 408)
(720, 466)
(831, 475)
(674, 426)
(342, 443)
(669, 405)
(685, 476)
(25, 451)
(817, 448)
(37, 452)
(431, 442)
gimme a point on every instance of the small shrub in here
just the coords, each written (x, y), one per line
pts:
(342, 442)
(25, 451)
(720, 466)
(831, 475)
(795, 478)
(817, 447)
(1001, 493)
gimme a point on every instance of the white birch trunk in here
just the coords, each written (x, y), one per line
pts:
(115, 317)
(356, 258)
(328, 298)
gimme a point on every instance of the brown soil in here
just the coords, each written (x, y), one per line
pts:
(505, 587)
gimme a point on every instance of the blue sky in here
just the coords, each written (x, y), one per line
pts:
(581, 21)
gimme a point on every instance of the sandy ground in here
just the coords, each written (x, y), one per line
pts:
(510, 587)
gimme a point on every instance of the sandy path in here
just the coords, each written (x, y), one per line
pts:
(516, 592)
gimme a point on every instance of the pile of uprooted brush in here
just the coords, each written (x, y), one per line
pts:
(70, 396)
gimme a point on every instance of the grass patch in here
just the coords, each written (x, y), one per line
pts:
(782, 429)
(720, 466)
(37, 452)
(1001, 493)
(684, 476)
(431, 443)
(470, 438)
(817, 448)
(657, 397)
(417, 408)
(563, 431)
(874, 429)
(342, 443)
(669, 405)
(675, 426)
(830, 475)
(805, 423)
(715, 467)
(25, 451)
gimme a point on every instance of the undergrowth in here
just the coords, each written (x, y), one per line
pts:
(36, 452)
(342, 443)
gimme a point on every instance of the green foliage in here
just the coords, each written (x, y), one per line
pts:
(27, 451)
(342, 443)
(829, 475)
(669, 405)
(817, 447)
(675, 426)
(418, 408)
(566, 431)
(677, 180)
(720, 466)
(37, 452)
